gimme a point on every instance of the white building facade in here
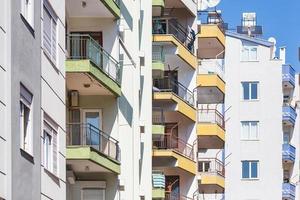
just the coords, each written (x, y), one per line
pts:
(261, 142)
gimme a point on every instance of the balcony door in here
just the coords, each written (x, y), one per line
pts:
(172, 187)
(171, 79)
(93, 120)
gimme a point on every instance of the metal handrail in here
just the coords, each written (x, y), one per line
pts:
(168, 141)
(211, 116)
(215, 166)
(85, 134)
(167, 84)
(83, 46)
(172, 26)
(214, 18)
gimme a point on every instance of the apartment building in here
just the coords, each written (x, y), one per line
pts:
(262, 138)
(32, 100)
(174, 68)
(108, 82)
(210, 106)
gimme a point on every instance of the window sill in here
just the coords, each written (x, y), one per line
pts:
(27, 155)
(249, 179)
(251, 100)
(250, 140)
(249, 61)
(28, 25)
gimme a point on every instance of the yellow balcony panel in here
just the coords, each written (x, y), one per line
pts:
(181, 106)
(211, 183)
(211, 41)
(210, 136)
(81, 158)
(158, 129)
(157, 7)
(182, 51)
(211, 88)
(158, 193)
(181, 161)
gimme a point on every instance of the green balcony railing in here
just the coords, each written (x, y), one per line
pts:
(83, 46)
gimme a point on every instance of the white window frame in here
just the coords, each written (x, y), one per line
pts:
(248, 48)
(249, 131)
(250, 90)
(51, 130)
(26, 142)
(250, 172)
(27, 11)
(52, 53)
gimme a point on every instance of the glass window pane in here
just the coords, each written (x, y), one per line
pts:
(246, 91)
(245, 130)
(245, 54)
(254, 170)
(93, 194)
(254, 130)
(254, 90)
(245, 169)
(253, 53)
(93, 119)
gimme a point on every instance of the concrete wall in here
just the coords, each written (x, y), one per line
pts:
(267, 110)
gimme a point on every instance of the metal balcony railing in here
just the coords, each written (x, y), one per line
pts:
(211, 116)
(288, 74)
(158, 54)
(212, 66)
(158, 117)
(166, 84)
(213, 18)
(173, 27)
(211, 166)
(170, 142)
(288, 152)
(83, 46)
(81, 134)
(289, 114)
(288, 190)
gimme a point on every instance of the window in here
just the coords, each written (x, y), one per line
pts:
(27, 11)
(249, 130)
(249, 169)
(49, 31)
(249, 53)
(25, 120)
(50, 147)
(93, 194)
(250, 90)
(204, 166)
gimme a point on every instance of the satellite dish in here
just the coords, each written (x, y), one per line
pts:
(204, 4)
(272, 40)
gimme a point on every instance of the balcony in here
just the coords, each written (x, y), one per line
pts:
(171, 94)
(170, 32)
(94, 8)
(158, 185)
(211, 175)
(88, 63)
(288, 153)
(92, 149)
(210, 129)
(211, 39)
(289, 115)
(158, 7)
(158, 61)
(288, 191)
(158, 121)
(171, 151)
(288, 77)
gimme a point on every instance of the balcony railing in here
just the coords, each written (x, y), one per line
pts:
(289, 114)
(211, 66)
(83, 46)
(158, 54)
(158, 117)
(170, 142)
(80, 134)
(173, 27)
(288, 152)
(288, 74)
(211, 116)
(211, 166)
(212, 17)
(166, 84)
(288, 190)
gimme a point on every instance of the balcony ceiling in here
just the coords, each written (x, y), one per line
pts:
(93, 8)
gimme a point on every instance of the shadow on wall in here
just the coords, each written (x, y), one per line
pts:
(126, 109)
(126, 15)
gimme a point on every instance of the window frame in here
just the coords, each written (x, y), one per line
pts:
(52, 131)
(27, 12)
(53, 44)
(249, 131)
(250, 162)
(250, 83)
(249, 48)
(26, 100)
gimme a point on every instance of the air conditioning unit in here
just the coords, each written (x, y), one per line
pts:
(74, 98)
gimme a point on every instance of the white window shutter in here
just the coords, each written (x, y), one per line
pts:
(55, 154)
(53, 52)
(47, 31)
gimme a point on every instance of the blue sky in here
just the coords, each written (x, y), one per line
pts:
(279, 18)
